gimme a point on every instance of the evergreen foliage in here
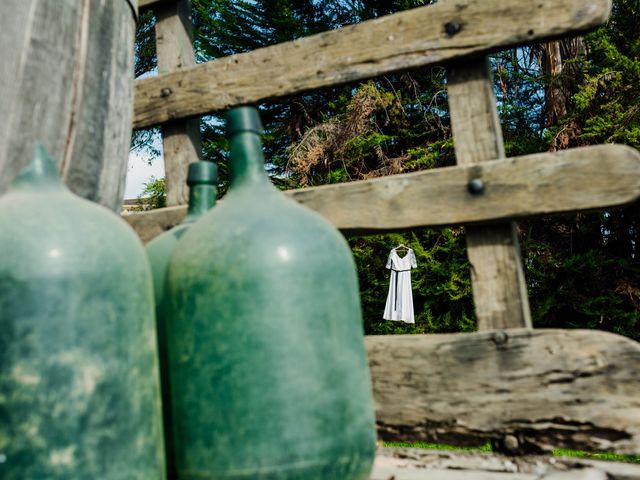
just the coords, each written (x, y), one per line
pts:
(441, 283)
(583, 269)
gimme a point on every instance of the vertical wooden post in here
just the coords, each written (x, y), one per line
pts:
(67, 81)
(181, 139)
(499, 288)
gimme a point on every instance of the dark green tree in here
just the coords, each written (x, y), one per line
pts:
(582, 270)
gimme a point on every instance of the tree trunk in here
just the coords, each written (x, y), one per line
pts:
(67, 81)
(558, 64)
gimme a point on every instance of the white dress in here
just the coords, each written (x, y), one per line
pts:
(399, 305)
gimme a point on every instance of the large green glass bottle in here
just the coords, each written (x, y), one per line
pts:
(202, 180)
(267, 363)
(79, 383)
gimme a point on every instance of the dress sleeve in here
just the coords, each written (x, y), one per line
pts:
(413, 259)
(388, 265)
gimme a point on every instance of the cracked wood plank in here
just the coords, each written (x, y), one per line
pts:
(426, 464)
(542, 184)
(56, 75)
(525, 390)
(427, 35)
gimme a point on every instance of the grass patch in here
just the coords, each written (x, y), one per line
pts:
(611, 457)
(558, 452)
(437, 446)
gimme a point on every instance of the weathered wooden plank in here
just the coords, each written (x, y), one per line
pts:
(424, 464)
(146, 4)
(148, 225)
(543, 184)
(523, 389)
(69, 84)
(403, 470)
(497, 279)
(133, 5)
(437, 33)
(181, 138)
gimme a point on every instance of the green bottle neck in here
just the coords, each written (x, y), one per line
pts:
(247, 161)
(202, 197)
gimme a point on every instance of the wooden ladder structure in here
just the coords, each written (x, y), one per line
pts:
(525, 390)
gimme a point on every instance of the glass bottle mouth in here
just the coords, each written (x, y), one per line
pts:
(244, 119)
(202, 173)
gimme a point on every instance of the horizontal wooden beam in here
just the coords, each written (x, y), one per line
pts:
(448, 30)
(146, 4)
(427, 464)
(526, 390)
(542, 184)
(533, 185)
(148, 225)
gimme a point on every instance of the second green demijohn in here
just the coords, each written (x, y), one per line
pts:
(202, 179)
(267, 365)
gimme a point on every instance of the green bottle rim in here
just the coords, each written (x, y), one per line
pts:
(244, 119)
(202, 173)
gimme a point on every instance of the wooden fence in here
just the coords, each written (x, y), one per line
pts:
(525, 390)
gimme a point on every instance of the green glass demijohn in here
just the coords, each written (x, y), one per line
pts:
(202, 179)
(79, 381)
(269, 378)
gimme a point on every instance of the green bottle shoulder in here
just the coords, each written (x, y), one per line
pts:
(249, 225)
(55, 227)
(163, 245)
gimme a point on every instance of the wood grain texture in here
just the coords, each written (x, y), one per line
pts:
(181, 138)
(499, 288)
(133, 5)
(146, 4)
(396, 42)
(534, 185)
(423, 464)
(69, 84)
(526, 390)
(148, 225)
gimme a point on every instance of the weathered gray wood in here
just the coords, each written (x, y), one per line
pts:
(570, 180)
(148, 225)
(524, 389)
(146, 4)
(499, 288)
(69, 84)
(133, 5)
(180, 138)
(424, 464)
(541, 184)
(448, 30)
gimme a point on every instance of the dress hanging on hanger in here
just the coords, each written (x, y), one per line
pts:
(399, 305)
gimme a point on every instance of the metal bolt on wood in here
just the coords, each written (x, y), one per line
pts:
(500, 337)
(476, 186)
(452, 28)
